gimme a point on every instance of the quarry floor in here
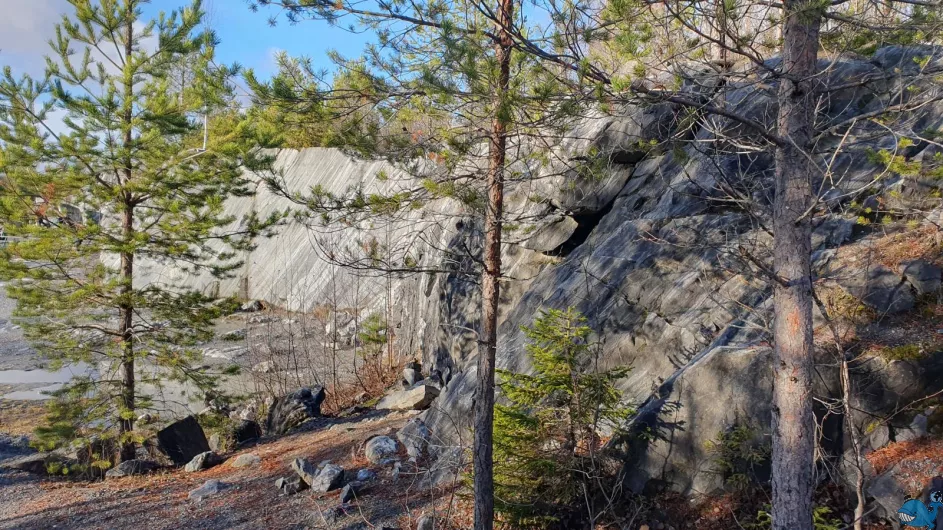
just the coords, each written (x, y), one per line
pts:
(250, 499)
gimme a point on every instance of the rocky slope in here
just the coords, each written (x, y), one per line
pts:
(657, 254)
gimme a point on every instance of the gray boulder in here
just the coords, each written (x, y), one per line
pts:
(366, 475)
(305, 470)
(417, 398)
(37, 463)
(291, 485)
(917, 429)
(551, 234)
(203, 461)
(891, 489)
(878, 438)
(329, 478)
(380, 449)
(426, 522)
(881, 289)
(350, 492)
(922, 275)
(132, 467)
(294, 409)
(245, 460)
(210, 487)
(415, 437)
(252, 306)
(183, 440)
(247, 431)
(411, 376)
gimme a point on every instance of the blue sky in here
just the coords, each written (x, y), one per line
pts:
(246, 37)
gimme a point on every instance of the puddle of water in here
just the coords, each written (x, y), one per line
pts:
(34, 394)
(53, 379)
(63, 375)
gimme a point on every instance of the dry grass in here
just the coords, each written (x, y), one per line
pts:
(367, 387)
(919, 243)
(930, 449)
(20, 417)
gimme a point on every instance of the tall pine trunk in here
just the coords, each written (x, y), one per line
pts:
(126, 422)
(490, 285)
(792, 421)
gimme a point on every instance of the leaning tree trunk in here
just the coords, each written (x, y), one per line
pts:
(792, 420)
(126, 419)
(490, 286)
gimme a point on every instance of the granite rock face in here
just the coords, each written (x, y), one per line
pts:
(651, 250)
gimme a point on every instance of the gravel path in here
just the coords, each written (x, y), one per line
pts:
(249, 500)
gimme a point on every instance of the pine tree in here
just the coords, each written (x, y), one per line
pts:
(129, 177)
(446, 97)
(547, 437)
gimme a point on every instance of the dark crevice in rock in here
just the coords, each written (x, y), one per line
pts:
(585, 224)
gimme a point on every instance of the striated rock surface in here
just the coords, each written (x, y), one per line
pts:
(652, 251)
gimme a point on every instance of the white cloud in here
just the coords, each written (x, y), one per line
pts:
(25, 29)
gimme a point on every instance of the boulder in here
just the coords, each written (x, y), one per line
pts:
(252, 306)
(411, 376)
(203, 461)
(350, 492)
(305, 470)
(893, 487)
(366, 475)
(551, 233)
(291, 485)
(294, 409)
(881, 289)
(37, 463)
(922, 275)
(247, 431)
(210, 487)
(918, 429)
(878, 438)
(183, 440)
(417, 398)
(245, 460)
(132, 467)
(216, 442)
(415, 437)
(330, 477)
(426, 522)
(379, 449)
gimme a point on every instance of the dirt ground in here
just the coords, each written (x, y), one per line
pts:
(249, 500)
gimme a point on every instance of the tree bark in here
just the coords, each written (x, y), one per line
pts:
(126, 421)
(490, 286)
(792, 419)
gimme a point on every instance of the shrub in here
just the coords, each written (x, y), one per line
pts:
(821, 520)
(549, 462)
(905, 352)
(736, 454)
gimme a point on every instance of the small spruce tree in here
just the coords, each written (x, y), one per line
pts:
(548, 435)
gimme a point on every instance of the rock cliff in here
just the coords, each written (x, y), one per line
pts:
(659, 254)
